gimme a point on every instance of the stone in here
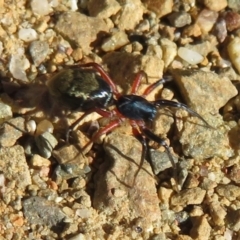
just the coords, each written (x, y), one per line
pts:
(11, 131)
(39, 50)
(217, 212)
(120, 172)
(124, 66)
(5, 112)
(179, 19)
(40, 8)
(229, 191)
(169, 50)
(215, 5)
(160, 7)
(204, 91)
(27, 34)
(14, 166)
(103, 8)
(233, 49)
(232, 20)
(125, 19)
(201, 229)
(46, 142)
(114, 42)
(40, 211)
(188, 197)
(82, 34)
(17, 66)
(206, 20)
(190, 56)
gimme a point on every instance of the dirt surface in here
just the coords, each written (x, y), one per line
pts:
(52, 187)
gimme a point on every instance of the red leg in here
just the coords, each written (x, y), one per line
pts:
(106, 113)
(137, 81)
(104, 76)
(154, 85)
(104, 130)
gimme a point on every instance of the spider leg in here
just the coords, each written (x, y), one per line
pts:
(169, 103)
(73, 126)
(103, 131)
(154, 85)
(104, 75)
(137, 81)
(150, 135)
(100, 111)
(160, 141)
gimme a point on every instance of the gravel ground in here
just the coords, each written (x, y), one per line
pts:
(51, 189)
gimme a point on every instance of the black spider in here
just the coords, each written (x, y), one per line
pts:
(80, 87)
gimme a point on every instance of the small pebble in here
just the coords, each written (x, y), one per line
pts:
(5, 112)
(215, 5)
(27, 34)
(40, 7)
(190, 56)
(179, 19)
(206, 19)
(169, 50)
(17, 66)
(116, 41)
(44, 126)
(39, 51)
(46, 142)
(233, 49)
(232, 20)
(38, 161)
(31, 126)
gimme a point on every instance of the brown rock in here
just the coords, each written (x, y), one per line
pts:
(120, 194)
(12, 131)
(201, 229)
(125, 19)
(204, 91)
(103, 8)
(215, 5)
(232, 20)
(188, 196)
(124, 66)
(14, 166)
(229, 191)
(160, 7)
(82, 34)
(217, 212)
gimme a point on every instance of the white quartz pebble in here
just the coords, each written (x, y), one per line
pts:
(190, 56)
(27, 34)
(40, 7)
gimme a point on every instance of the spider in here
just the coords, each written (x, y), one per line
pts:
(82, 87)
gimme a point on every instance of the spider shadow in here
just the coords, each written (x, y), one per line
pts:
(110, 165)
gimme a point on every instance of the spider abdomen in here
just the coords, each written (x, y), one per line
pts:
(136, 108)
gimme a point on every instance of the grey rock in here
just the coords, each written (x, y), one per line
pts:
(160, 161)
(38, 51)
(46, 143)
(40, 211)
(179, 19)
